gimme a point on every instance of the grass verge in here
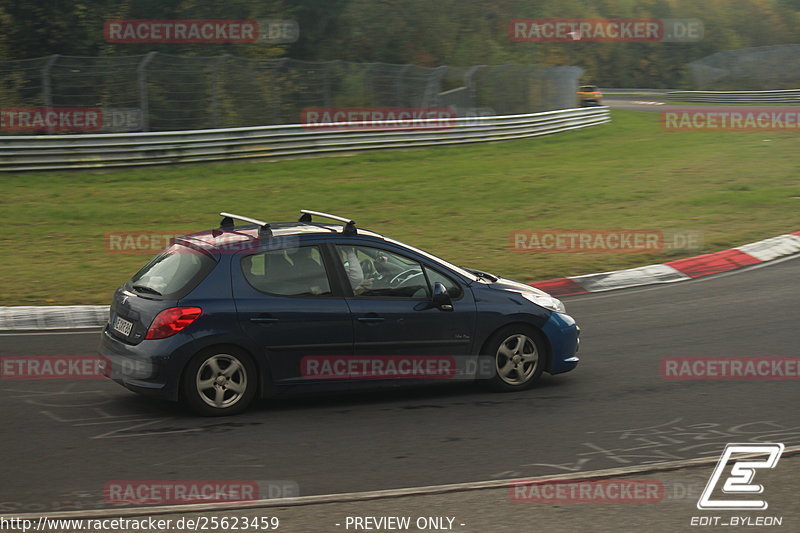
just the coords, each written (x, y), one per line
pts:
(458, 202)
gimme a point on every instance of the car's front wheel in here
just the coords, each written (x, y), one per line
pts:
(519, 358)
(219, 382)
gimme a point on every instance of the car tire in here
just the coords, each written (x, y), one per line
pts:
(519, 357)
(219, 381)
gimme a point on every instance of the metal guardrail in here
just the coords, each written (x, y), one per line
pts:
(613, 91)
(737, 97)
(60, 152)
(720, 97)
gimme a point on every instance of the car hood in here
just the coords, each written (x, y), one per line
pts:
(505, 284)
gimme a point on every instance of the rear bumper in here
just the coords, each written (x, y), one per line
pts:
(139, 367)
(564, 336)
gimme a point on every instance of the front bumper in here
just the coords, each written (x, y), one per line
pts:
(564, 336)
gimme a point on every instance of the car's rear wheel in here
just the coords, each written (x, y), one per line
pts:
(519, 358)
(219, 382)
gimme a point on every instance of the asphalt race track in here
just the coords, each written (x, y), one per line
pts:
(63, 440)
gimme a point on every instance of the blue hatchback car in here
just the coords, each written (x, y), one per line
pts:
(226, 315)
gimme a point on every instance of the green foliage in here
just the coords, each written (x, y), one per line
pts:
(421, 32)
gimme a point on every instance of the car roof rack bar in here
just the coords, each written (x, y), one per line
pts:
(349, 224)
(227, 223)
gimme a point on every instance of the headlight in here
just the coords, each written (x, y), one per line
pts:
(546, 301)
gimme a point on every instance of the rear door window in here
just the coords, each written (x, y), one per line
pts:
(297, 271)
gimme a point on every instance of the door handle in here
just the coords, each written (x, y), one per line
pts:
(263, 319)
(370, 319)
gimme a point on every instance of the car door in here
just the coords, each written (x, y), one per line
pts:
(393, 314)
(289, 307)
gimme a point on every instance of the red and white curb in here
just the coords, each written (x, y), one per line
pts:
(49, 317)
(72, 317)
(677, 270)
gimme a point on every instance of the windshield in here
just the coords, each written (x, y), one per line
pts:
(439, 260)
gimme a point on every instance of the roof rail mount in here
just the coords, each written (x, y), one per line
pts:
(349, 224)
(264, 230)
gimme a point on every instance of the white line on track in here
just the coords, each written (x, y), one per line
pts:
(384, 494)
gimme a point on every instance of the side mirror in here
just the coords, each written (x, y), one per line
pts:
(440, 297)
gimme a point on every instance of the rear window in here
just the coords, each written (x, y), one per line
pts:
(173, 273)
(588, 89)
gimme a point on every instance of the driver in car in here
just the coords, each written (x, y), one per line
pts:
(355, 273)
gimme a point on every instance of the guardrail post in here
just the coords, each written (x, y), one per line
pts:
(144, 107)
(497, 74)
(399, 86)
(366, 85)
(529, 108)
(431, 96)
(278, 95)
(469, 82)
(215, 90)
(47, 95)
(326, 82)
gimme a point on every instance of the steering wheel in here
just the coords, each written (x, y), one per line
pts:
(400, 279)
(368, 268)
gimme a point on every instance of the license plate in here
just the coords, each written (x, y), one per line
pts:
(123, 326)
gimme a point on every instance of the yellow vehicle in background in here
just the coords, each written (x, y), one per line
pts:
(588, 95)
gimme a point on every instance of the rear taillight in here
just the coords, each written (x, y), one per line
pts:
(170, 321)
